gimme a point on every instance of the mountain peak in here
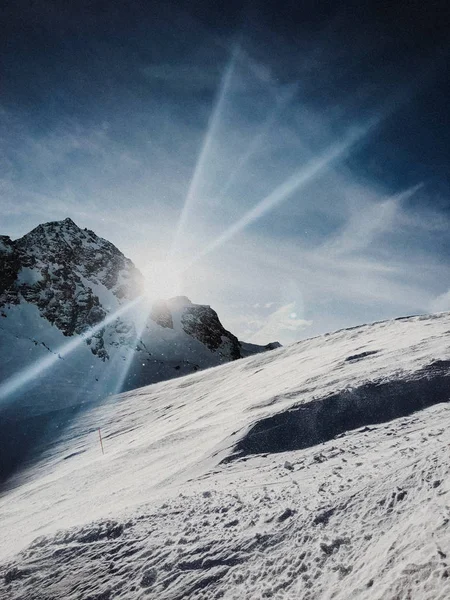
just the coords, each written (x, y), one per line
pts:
(178, 302)
(62, 269)
(66, 223)
(51, 235)
(57, 238)
(71, 280)
(63, 222)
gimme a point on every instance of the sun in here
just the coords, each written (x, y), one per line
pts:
(163, 279)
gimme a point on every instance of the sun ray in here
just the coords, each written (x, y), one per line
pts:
(20, 379)
(125, 367)
(255, 143)
(294, 183)
(213, 123)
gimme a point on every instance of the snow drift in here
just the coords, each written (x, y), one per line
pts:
(315, 471)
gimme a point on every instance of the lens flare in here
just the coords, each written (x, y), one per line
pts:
(19, 380)
(124, 367)
(214, 120)
(163, 280)
(255, 143)
(293, 184)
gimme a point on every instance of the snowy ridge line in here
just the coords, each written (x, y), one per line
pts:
(423, 317)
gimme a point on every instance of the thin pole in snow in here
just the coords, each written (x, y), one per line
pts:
(101, 441)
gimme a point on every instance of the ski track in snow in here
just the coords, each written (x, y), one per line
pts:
(161, 515)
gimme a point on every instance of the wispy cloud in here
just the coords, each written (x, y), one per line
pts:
(367, 222)
(284, 323)
(278, 212)
(441, 303)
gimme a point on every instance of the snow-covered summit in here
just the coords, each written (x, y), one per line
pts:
(59, 268)
(98, 260)
(61, 278)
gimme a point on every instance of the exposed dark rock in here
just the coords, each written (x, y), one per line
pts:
(9, 268)
(202, 323)
(55, 266)
(161, 314)
(356, 357)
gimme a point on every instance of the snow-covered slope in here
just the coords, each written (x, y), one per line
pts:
(76, 327)
(316, 471)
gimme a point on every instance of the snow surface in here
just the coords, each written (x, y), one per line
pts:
(172, 511)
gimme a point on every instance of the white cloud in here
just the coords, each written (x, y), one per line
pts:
(367, 222)
(441, 303)
(282, 325)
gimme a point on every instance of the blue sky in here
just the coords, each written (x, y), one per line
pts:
(294, 163)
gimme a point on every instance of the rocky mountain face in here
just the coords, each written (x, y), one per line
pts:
(56, 267)
(200, 322)
(60, 281)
